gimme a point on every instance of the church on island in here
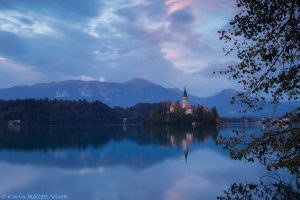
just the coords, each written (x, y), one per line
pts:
(189, 109)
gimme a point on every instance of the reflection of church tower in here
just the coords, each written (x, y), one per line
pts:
(185, 147)
(184, 99)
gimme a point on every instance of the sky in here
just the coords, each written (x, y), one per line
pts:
(173, 43)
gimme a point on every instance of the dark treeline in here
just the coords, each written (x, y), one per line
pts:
(56, 112)
(161, 115)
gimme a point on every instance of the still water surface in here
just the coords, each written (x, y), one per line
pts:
(119, 162)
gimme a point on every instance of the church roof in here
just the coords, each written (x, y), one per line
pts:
(190, 107)
(176, 104)
(184, 93)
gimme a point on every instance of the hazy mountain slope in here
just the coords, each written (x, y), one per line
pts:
(113, 94)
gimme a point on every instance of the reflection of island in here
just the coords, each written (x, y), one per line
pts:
(78, 147)
(183, 136)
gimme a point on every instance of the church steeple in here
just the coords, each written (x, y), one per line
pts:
(184, 99)
(184, 93)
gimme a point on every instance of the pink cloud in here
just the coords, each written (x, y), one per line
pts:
(175, 5)
(211, 5)
(174, 195)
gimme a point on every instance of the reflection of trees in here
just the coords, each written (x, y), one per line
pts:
(179, 133)
(64, 137)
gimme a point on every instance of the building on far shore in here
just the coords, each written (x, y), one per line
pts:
(189, 109)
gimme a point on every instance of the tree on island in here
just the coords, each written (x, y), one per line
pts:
(265, 36)
(162, 115)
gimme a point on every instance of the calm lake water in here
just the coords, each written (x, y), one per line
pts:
(118, 162)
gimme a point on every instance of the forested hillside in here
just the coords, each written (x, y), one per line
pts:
(44, 111)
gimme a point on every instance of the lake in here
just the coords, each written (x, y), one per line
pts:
(118, 162)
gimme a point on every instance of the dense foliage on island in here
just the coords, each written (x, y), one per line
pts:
(162, 115)
(56, 112)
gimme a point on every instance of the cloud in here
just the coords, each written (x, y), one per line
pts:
(117, 40)
(214, 69)
(17, 22)
(25, 20)
(182, 58)
(175, 5)
(183, 16)
(86, 78)
(68, 10)
(18, 73)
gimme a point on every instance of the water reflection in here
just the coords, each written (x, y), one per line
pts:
(119, 162)
(183, 136)
(92, 146)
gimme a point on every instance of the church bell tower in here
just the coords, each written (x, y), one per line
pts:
(184, 99)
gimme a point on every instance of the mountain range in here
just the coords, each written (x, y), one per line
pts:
(136, 91)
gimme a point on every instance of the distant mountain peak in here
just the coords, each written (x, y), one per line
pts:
(227, 92)
(177, 90)
(138, 80)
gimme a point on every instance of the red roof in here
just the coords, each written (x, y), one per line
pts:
(175, 104)
(190, 107)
